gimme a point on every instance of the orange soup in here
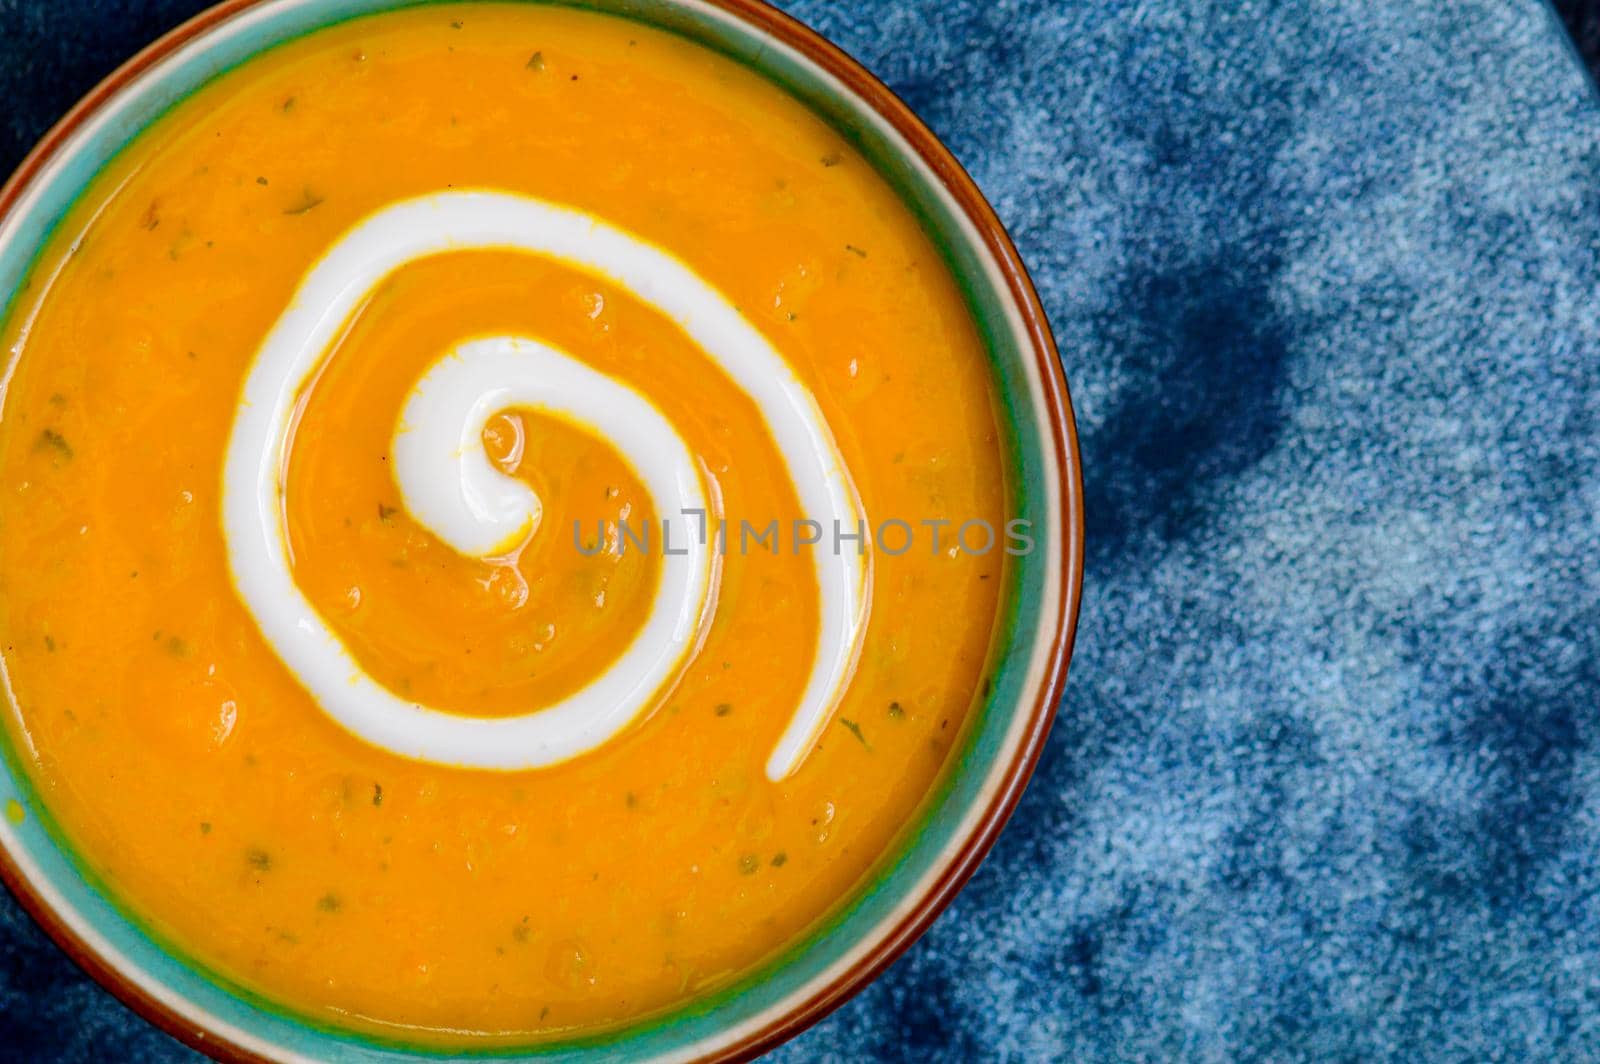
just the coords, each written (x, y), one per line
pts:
(501, 524)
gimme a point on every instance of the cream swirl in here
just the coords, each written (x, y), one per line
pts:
(451, 488)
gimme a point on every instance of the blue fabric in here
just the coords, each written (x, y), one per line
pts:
(1326, 782)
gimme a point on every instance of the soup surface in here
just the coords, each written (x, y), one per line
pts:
(191, 757)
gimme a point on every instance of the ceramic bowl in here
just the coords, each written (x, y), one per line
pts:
(961, 819)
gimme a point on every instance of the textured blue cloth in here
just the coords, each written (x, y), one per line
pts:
(1326, 782)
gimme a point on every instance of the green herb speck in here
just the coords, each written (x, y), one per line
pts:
(723, 709)
(896, 710)
(56, 442)
(748, 864)
(377, 794)
(780, 859)
(260, 860)
(855, 729)
(329, 903)
(852, 249)
(833, 158)
(536, 61)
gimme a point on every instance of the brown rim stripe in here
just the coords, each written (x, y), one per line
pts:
(1062, 430)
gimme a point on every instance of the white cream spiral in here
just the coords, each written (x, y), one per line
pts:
(449, 485)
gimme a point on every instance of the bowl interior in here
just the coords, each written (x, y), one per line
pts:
(997, 748)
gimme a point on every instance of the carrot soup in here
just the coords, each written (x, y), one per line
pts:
(502, 523)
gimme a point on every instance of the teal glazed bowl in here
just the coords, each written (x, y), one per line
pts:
(958, 822)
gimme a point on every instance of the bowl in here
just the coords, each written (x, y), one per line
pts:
(959, 822)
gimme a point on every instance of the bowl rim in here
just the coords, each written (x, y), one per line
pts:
(1059, 427)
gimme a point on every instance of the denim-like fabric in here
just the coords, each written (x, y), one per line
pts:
(1326, 781)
